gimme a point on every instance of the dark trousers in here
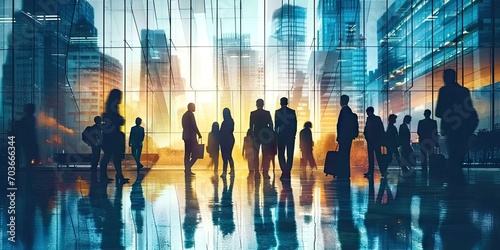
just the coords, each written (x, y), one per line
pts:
(307, 156)
(345, 159)
(457, 148)
(374, 150)
(136, 153)
(407, 155)
(286, 164)
(117, 162)
(426, 149)
(227, 157)
(265, 156)
(393, 151)
(94, 160)
(188, 154)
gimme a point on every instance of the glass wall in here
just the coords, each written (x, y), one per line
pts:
(66, 55)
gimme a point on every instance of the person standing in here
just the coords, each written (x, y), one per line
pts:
(306, 145)
(227, 142)
(135, 141)
(374, 132)
(459, 119)
(261, 127)
(113, 138)
(25, 131)
(405, 142)
(247, 151)
(392, 139)
(427, 137)
(92, 136)
(189, 132)
(346, 132)
(286, 128)
(213, 146)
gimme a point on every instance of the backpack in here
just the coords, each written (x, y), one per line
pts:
(92, 136)
(354, 125)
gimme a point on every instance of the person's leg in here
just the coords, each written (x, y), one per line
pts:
(224, 160)
(281, 155)
(216, 162)
(344, 154)
(117, 162)
(139, 152)
(424, 153)
(94, 160)
(256, 149)
(266, 158)
(290, 148)
(230, 159)
(381, 164)
(187, 156)
(104, 166)
(371, 160)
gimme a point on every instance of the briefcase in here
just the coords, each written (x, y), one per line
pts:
(198, 150)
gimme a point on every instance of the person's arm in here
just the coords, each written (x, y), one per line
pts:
(270, 120)
(439, 105)
(294, 123)
(142, 135)
(339, 124)
(194, 126)
(276, 116)
(130, 137)
(251, 125)
(419, 129)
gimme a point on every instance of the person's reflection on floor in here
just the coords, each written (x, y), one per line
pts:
(286, 225)
(429, 207)
(457, 230)
(192, 212)
(113, 224)
(226, 208)
(348, 233)
(26, 221)
(306, 197)
(215, 203)
(138, 203)
(263, 222)
(401, 208)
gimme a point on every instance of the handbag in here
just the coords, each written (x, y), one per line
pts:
(198, 150)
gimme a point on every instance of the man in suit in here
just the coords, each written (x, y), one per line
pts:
(135, 141)
(189, 132)
(459, 119)
(405, 142)
(286, 129)
(261, 129)
(374, 132)
(345, 135)
(427, 137)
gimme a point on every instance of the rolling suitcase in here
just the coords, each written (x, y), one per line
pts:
(437, 163)
(331, 162)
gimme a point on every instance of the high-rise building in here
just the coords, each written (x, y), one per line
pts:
(160, 84)
(339, 60)
(286, 57)
(419, 39)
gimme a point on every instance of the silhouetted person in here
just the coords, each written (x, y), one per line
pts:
(345, 134)
(405, 142)
(93, 136)
(261, 127)
(427, 137)
(374, 132)
(191, 213)
(248, 152)
(135, 141)
(286, 128)
(189, 132)
(226, 208)
(306, 145)
(113, 138)
(458, 117)
(213, 146)
(227, 141)
(392, 139)
(286, 224)
(25, 132)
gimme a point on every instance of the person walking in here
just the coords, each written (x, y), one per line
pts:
(392, 139)
(407, 155)
(135, 142)
(427, 137)
(374, 132)
(189, 132)
(261, 127)
(286, 128)
(227, 142)
(306, 145)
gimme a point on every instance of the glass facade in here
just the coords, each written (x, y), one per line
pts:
(66, 55)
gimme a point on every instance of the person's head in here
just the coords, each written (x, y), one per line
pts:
(191, 107)
(29, 109)
(97, 120)
(308, 124)
(392, 118)
(138, 121)
(449, 76)
(114, 98)
(283, 101)
(344, 100)
(215, 127)
(259, 103)
(370, 110)
(226, 114)
(427, 113)
(407, 119)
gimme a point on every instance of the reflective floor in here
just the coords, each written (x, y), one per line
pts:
(160, 209)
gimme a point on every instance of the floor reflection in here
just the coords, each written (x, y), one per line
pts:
(161, 209)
